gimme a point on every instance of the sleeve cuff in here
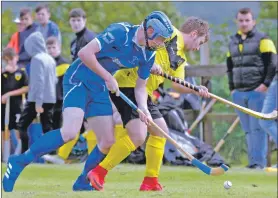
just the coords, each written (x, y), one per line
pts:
(99, 44)
(39, 103)
(266, 83)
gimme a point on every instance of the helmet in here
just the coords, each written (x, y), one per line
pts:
(160, 23)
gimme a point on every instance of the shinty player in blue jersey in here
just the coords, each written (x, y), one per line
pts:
(86, 85)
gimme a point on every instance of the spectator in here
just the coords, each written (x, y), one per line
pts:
(83, 35)
(54, 49)
(270, 104)
(47, 27)
(250, 71)
(42, 84)
(15, 42)
(30, 27)
(14, 84)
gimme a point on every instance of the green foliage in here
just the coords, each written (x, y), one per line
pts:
(267, 20)
(8, 28)
(268, 26)
(268, 10)
(234, 149)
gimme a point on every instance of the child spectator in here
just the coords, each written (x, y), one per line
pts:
(42, 87)
(14, 85)
(47, 27)
(54, 49)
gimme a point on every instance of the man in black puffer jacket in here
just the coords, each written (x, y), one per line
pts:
(83, 35)
(251, 68)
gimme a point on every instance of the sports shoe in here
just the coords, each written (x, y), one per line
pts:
(82, 184)
(15, 165)
(151, 184)
(55, 159)
(96, 177)
(255, 166)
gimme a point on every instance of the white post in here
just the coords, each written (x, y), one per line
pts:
(204, 60)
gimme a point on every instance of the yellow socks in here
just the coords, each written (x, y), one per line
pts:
(120, 132)
(64, 151)
(91, 138)
(118, 152)
(154, 155)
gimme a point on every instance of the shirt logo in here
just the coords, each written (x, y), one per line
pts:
(18, 76)
(118, 62)
(133, 62)
(108, 38)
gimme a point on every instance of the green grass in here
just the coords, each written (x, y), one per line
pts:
(55, 181)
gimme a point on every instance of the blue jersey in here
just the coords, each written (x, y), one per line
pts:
(118, 50)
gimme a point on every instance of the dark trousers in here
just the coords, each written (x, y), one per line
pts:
(57, 115)
(28, 115)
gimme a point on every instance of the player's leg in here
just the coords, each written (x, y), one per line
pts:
(137, 131)
(100, 120)
(74, 105)
(154, 151)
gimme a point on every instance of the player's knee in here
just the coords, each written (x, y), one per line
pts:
(138, 139)
(69, 133)
(105, 144)
(72, 122)
(117, 118)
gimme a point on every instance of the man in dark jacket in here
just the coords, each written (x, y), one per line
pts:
(27, 20)
(251, 68)
(77, 19)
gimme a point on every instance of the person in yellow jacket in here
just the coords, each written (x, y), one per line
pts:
(171, 59)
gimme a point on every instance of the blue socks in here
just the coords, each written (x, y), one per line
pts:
(95, 157)
(48, 142)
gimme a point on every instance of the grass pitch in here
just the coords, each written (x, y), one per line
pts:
(55, 181)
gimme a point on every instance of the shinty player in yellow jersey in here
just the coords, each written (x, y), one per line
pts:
(171, 59)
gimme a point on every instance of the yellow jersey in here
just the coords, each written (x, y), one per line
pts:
(171, 59)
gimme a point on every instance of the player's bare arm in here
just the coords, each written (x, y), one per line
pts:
(88, 57)
(141, 96)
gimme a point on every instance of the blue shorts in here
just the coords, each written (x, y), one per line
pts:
(94, 102)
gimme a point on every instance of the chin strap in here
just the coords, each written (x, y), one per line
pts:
(146, 36)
